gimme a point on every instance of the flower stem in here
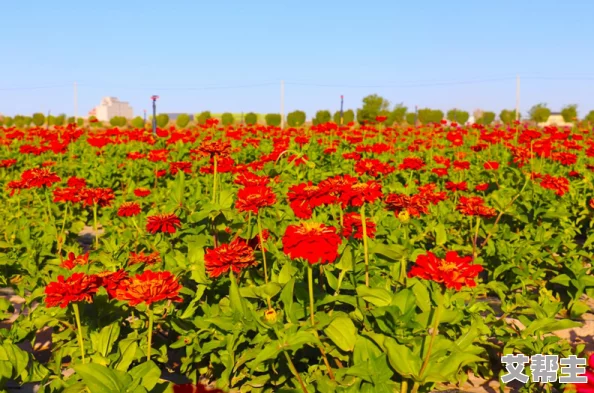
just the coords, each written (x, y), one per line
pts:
(214, 183)
(476, 233)
(150, 333)
(61, 235)
(365, 246)
(404, 386)
(262, 247)
(434, 330)
(79, 331)
(311, 297)
(96, 234)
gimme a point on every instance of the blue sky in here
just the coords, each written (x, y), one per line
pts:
(438, 54)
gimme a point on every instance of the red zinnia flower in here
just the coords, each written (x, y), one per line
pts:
(461, 165)
(111, 281)
(142, 192)
(67, 194)
(165, 223)
(74, 260)
(491, 165)
(359, 193)
(149, 287)
(451, 186)
(352, 226)
(247, 179)
(236, 255)
(454, 271)
(312, 241)
(129, 209)
(189, 388)
(475, 206)
(99, 196)
(218, 148)
(252, 198)
(413, 163)
(558, 184)
(76, 182)
(304, 197)
(39, 178)
(78, 287)
(440, 171)
(141, 257)
(482, 187)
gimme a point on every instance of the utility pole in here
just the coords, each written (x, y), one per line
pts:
(341, 112)
(75, 101)
(282, 108)
(154, 98)
(517, 97)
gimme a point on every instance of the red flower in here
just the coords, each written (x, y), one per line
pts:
(482, 187)
(451, 186)
(129, 209)
(373, 167)
(67, 194)
(491, 165)
(218, 148)
(165, 223)
(111, 281)
(183, 166)
(475, 206)
(77, 182)
(149, 287)
(558, 184)
(247, 179)
(415, 205)
(74, 260)
(413, 163)
(235, 256)
(352, 226)
(142, 192)
(381, 119)
(304, 197)
(99, 196)
(141, 257)
(189, 388)
(76, 288)
(7, 163)
(591, 203)
(252, 198)
(454, 271)
(440, 171)
(351, 156)
(312, 241)
(39, 178)
(359, 193)
(461, 165)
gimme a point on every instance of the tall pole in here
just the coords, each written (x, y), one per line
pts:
(341, 111)
(517, 97)
(75, 101)
(154, 98)
(282, 104)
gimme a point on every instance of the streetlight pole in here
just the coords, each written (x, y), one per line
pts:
(341, 112)
(154, 98)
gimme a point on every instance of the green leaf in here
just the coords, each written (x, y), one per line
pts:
(104, 340)
(100, 379)
(128, 348)
(440, 234)
(193, 306)
(402, 359)
(377, 296)
(562, 279)
(235, 298)
(148, 373)
(346, 260)
(394, 252)
(423, 299)
(343, 333)
(298, 340)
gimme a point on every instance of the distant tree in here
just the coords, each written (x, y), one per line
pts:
(28, 120)
(397, 115)
(590, 117)
(60, 120)
(427, 115)
(458, 116)
(203, 117)
(8, 121)
(411, 117)
(539, 113)
(137, 122)
(486, 118)
(122, 121)
(80, 122)
(227, 119)
(114, 121)
(50, 120)
(182, 120)
(296, 118)
(38, 119)
(19, 121)
(273, 119)
(251, 118)
(323, 116)
(348, 116)
(71, 120)
(569, 113)
(373, 105)
(162, 120)
(507, 116)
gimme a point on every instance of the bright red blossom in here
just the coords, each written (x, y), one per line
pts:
(149, 287)
(76, 288)
(165, 223)
(311, 241)
(252, 198)
(129, 209)
(235, 256)
(454, 271)
(353, 226)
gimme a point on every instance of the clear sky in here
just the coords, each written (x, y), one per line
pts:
(231, 55)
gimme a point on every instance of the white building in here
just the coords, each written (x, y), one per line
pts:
(556, 119)
(111, 107)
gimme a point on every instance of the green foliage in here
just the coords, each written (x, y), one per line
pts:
(458, 116)
(60, 120)
(203, 117)
(273, 119)
(507, 116)
(411, 117)
(227, 119)
(373, 106)
(19, 121)
(539, 113)
(398, 115)
(569, 113)
(323, 116)
(486, 118)
(80, 122)
(296, 118)
(590, 117)
(251, 118)
(182, 120)
(8, 121)
(137, 122)
(119, 121)
(162, 120)
(38, 119)
(71, 120)
(427, 115)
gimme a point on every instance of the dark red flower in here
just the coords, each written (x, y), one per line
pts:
(164, 223)
(142, 192)
(111, 281)
(475, 206)
(74, 260)
(76, 288)
(482, 187)
(76, 182)
(413, 163)
(304, 197)
(141, 257)
(360, 193)
(451, 186)
(252, 198)
(235, 256)
(66, 194)
(190, 388)
(129, 209)
(492, 165)
(454, 271)
(312, 241)
(352, 226)
(100, 196)
(39, 177)
(149, 287)
(247, 179)
(558, 184)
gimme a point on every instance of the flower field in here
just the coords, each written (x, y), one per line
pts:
(318, 259)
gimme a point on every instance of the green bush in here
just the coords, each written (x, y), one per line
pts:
(60, 120)
(507, 116)
(203, 117)
(38, 119)
(458, 116)
(411, 118)
(539, 113)
(162, 120)
(19, 121)
(590, 117)
(227, 119)
(397, 115)
(322, 117)
(273, 119)
(373, 106)
(427, 115)
(182, 120)
(569, 113)
(8, 121)
(486, 118)
(71, 120)
(137, 122)
(251, 118)
(296, 118)
(80, 122)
